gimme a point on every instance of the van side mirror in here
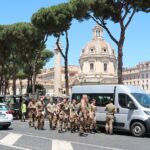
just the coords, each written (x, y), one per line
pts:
(131, 105)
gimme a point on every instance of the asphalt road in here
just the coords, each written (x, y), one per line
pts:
(20, 136)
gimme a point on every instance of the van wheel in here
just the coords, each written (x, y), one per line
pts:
(138, 129)
(5, 127)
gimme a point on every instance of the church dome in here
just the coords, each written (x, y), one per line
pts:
(98, 62)
(97, 45)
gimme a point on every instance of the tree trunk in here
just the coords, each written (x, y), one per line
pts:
(1, 80)
(120, 64)
(28, 82)
(66, 76)
(5, 87)
(20, 86)
(14, 80)
(34, 80)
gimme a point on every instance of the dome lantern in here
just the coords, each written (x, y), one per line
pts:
(97, 32)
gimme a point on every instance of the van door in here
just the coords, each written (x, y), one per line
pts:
(123, 114)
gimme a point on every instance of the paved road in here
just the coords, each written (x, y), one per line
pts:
(21, 137)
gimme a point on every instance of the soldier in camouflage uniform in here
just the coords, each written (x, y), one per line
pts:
(110, 111)
(73, 116)
(40, 109)
(63, 115)
(93, 127)
(32, 112)
(83, 110)
(52, 116)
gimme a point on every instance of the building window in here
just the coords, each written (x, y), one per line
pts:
(105, 67)
(104, 50)
(91, 67)
(142, 75)
(146, 75)
(91, 50)
(81, 67)
(98, 33)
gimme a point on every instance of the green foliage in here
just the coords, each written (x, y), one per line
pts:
(143, 5)
(39, 88)
(53, 20)
(21, 47)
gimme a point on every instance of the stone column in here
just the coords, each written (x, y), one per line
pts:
(57, 72)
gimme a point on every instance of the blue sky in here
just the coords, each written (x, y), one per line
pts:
(137, 42)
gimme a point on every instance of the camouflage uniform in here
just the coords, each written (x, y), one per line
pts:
(52, 116)
(66, 116)
(93, 126)
(40, 108)
(83, 115)
(32, 113)
(73, 117)
(63, 115)
(60, 109)
(110, 110)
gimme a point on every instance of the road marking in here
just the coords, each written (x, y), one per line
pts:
(11, 138)
(61, 145)
(73, 142)
(16, 147)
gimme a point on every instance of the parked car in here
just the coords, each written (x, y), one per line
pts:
(6, 116)
(14, 104)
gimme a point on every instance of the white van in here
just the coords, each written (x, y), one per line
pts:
(132, 103)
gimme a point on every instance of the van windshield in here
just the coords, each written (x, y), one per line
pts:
(143, 99)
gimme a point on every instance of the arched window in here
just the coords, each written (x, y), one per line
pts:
(91, 67)
(98, 33)
(105, 67)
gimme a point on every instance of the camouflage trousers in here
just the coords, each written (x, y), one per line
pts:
(32, 117)
(83, 120)
(63, 121)
(52, 117)
(74, 123)
(40, 121)
(109, 123)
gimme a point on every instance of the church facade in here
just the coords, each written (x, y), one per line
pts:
(98, 64)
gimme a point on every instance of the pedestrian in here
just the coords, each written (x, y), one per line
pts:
(23, 111)
(32, 112)
(62, 115)
(73, 116)
(93, 126)
(110, 111)
(83, 111)
(52, 116)
(40, 111)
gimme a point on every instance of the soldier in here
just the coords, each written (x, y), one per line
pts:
(40, 109)
(52, 116)
(110, 110)
(32, 112)
(93, 127)
(66, 115)
(83, 111)
(73, 116)
(63, 115)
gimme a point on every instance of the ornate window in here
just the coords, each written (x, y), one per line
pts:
(104, 50)
(91, 67)
(92, 50)
(98, 33)
(105, 67)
